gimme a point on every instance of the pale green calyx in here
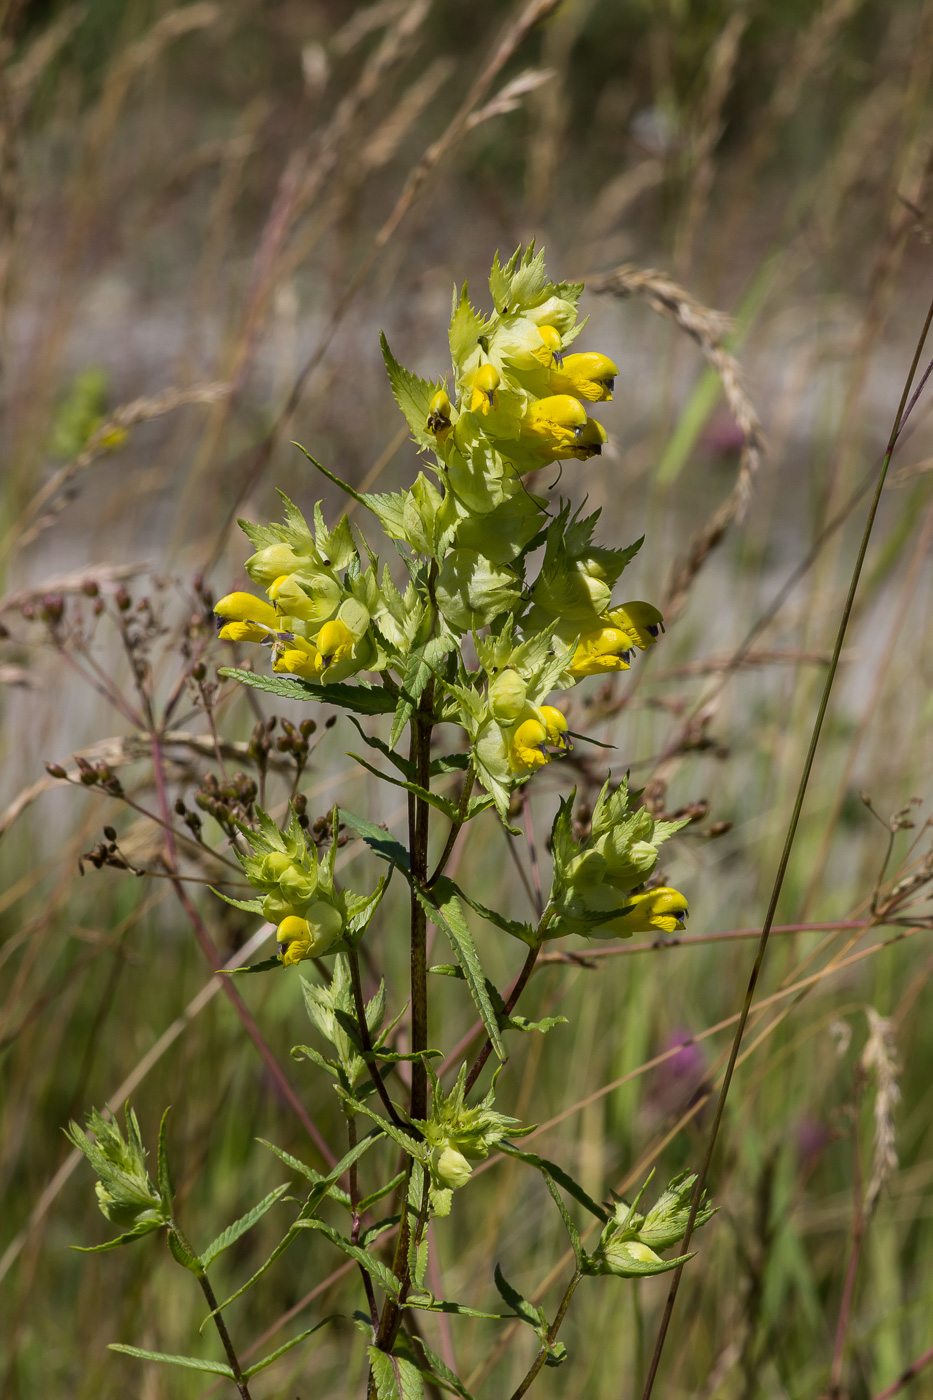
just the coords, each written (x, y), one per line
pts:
(594, 890)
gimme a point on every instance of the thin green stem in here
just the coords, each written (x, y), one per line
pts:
(216, 1315)
(785, 858)
(553, 1330)
(456, 825)
(518, 987)
(418, 819)
(366, 1039)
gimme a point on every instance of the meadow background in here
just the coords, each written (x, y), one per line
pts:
(207, 213)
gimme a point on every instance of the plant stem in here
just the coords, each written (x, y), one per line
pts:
(518, 987)
(366, 1039)
(456, 826)
(418, 810)
(859, 1223)
(554, 1328)
(217, 1317)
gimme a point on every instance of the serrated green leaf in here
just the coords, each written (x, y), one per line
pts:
(527, 1312)
(378, 840)
(373, 1266)
(182, 1254)
(295, 1341)
(443, 909)
(164, 1172)
(362, 697)
(450, 763)
(426, 1302)
(413, 396)
(267, 965)
(249, 906)
(433, 799)
(239, 1227)
(369, 1201)
(441, 1371)
(516, 927)
(191, 1363)
(404, 766)
(137, 1233)
(553, 1169)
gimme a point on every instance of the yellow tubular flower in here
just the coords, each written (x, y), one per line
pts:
(553, 425)
(551, 353)
(335, 641)
(609, 649)
(641, 621)
(556, 724)
(589, 441)
(439, 415)
(527, 747)
(300, 658)
(299, 938)
(590, 376)
(246, 617)
(662, 910)
(485, 386)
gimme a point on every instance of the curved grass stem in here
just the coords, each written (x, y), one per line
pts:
(786, 852)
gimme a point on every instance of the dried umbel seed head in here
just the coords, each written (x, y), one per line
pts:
(55, 770)
(90, 588)
(53, 607)
(123, 600)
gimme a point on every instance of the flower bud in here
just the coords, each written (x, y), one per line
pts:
(450, 1168)
(507, 696)
(297, 885)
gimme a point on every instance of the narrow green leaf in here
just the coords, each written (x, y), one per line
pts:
(191, 1363)
(527, 1312)
(426, 1302)
(373, 1266)
(553, 1169)
(295, 1341)
(331, 476)
(249, 906)
(369, 1201)
(166, 1184)
(404, 766)
(433, 799)
(267, 965)
(441, 1371)
(450, 763)
(378, 840)
(137, 1233)
(362, 698)
(239, 1227)
(183, 1256)
(442, 908)
(518, 929)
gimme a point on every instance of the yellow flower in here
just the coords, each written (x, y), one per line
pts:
(310, 660)
(552, 342)
(589, 376)
(335, 641)
(246, 617)
(552, 425)
(556, 723)
(299, 938)
(527, 747)
(589, 441)
(661, 910)
(640, 621)
(439, 415)
(484, 395)
(609, 649)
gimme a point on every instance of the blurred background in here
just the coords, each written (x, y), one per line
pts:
(207, 214)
